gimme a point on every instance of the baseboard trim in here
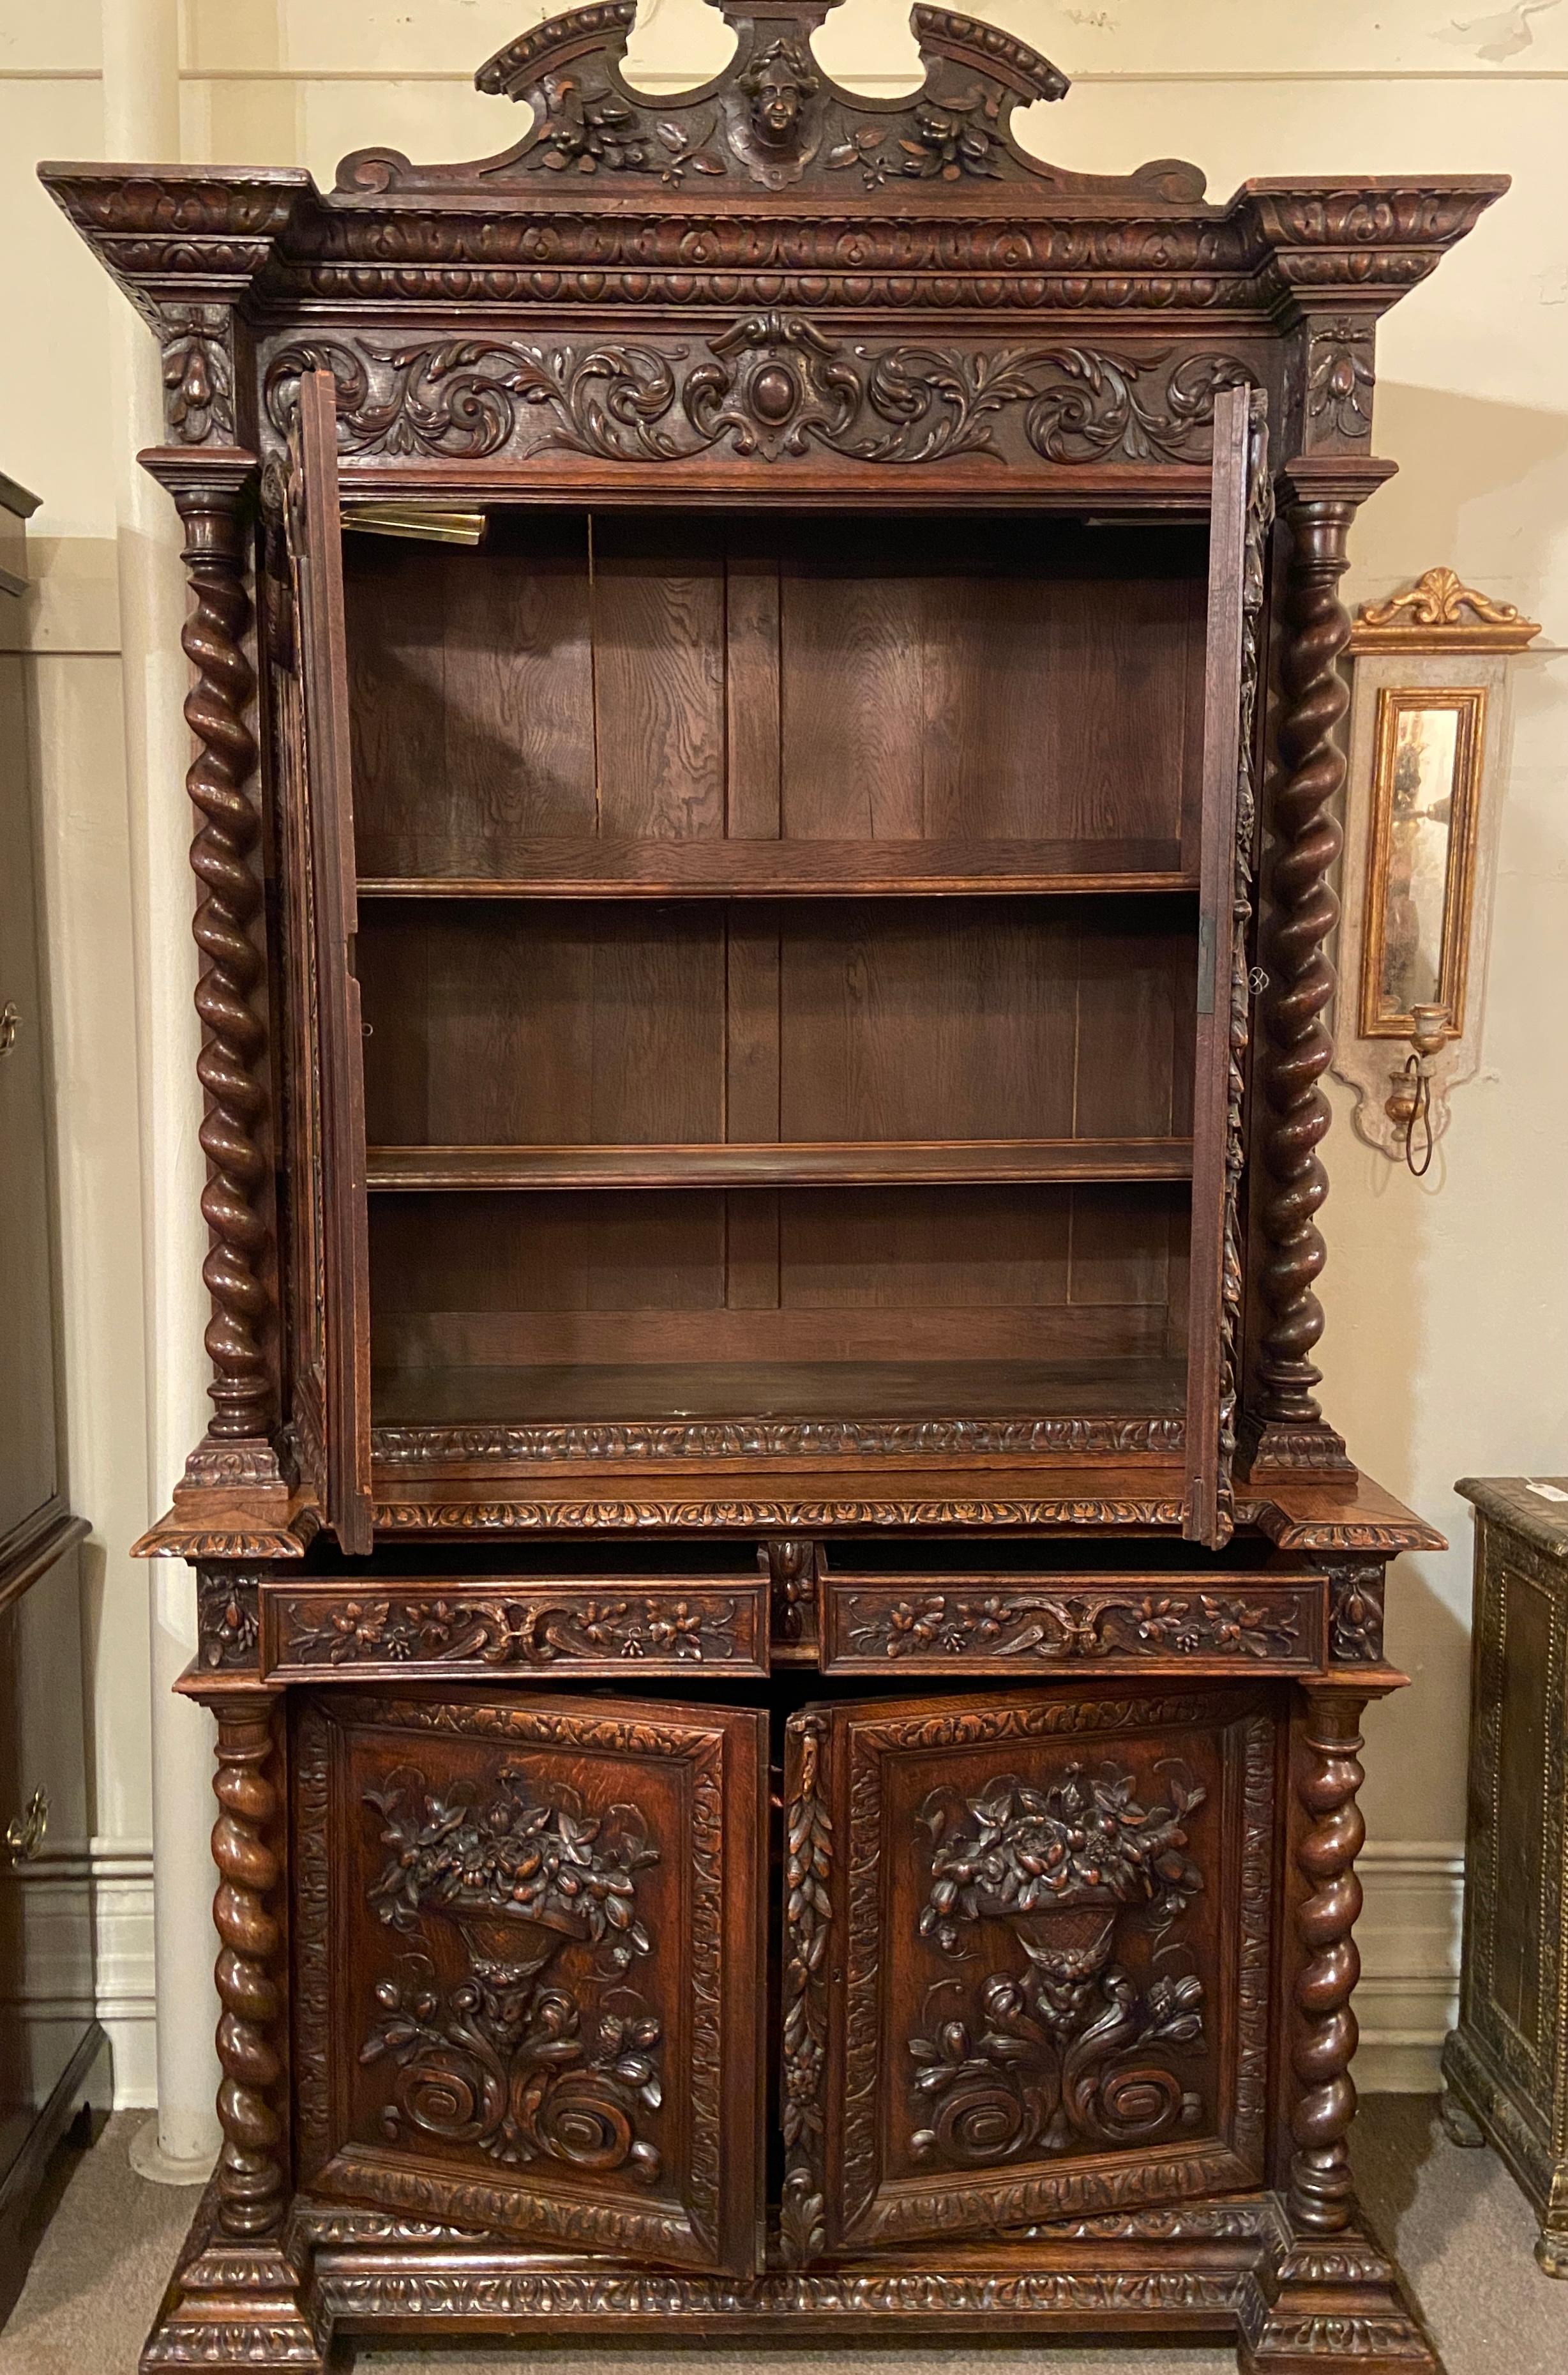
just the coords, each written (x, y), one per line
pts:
(1409, 1936)
(126, 1986)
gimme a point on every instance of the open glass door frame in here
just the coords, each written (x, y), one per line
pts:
(1241, 515)
(326, 919)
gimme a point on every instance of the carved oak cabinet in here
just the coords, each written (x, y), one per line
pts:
(787, 1632)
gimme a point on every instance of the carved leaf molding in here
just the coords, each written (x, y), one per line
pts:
(1049, 1626)
(505, 1632)
(772, 386)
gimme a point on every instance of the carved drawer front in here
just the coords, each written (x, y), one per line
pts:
(529, 1967)
(976, 1624)
(644, 1624)
(1026, 1962)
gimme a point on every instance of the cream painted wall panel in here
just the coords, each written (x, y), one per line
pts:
(1495, 319)
(54, 425)
(1446, 1347)
(316, 123)
(78, 739)
(63, 38)
(72, 603)
(377, 37)
(1271, 36)
(1123, 37)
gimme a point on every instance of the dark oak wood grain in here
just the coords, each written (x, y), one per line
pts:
(740, 1151)
(879, 1163)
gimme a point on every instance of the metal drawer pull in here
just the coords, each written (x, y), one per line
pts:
(25, 1833)
(10, 1019)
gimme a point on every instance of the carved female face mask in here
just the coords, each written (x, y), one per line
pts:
(778, 85)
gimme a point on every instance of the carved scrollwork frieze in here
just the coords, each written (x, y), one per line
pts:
(974, 1629)
(678, 1628)
(602, 1442)
(773, 387)
(465, 1518)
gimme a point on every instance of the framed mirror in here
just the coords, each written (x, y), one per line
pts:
(1423, 797)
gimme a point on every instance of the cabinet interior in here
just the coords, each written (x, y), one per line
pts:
(777, 947)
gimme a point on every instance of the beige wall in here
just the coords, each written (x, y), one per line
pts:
(1447, 1301)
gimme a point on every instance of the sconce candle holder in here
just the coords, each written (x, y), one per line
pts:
(1429, 743)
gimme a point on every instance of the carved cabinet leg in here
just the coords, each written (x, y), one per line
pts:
(251, 2167)
(240, 2295)
(1333, 2300)
(1325, 2026)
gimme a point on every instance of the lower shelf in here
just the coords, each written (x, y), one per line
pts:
(820, 1390)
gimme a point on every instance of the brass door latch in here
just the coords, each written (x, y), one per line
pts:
(10, 1021)
(25, 1833)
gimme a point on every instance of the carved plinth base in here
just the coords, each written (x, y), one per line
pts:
(1313, 1448)
(1333, 2303)
(237, 2305)
(1295, 2306)
(233, 1501)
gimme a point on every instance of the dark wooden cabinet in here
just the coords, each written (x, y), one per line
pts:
(1505, 2065)
(53, 2055)
(787, 1629)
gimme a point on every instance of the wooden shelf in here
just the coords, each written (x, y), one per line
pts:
(894, 1163)
(818, 1390)
(409, 866)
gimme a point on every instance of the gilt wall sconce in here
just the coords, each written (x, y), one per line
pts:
(1429, 743)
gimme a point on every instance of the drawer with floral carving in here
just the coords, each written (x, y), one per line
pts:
(538, 1625)
(978, 1623)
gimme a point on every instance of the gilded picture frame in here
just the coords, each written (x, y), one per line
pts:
(1422, 855)
(1429, 745)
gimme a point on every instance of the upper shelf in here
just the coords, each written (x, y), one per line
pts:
(711, 868)
(898, 1163)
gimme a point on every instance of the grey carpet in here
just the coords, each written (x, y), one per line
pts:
(1454, 2218)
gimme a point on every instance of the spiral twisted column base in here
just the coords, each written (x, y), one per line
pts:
(234, 1499)
(1328, 1776)
(1282, 1423)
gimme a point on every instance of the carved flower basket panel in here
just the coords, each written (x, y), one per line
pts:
(517, 1927)
(1054, 1923)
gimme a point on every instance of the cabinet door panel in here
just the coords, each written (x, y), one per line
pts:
(1026, 1960)
(1241, 515)
(528, 1967)
(330, 1317)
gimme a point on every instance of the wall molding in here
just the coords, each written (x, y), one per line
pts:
(127, 1992)
(1409, 1936)
(119, 1873)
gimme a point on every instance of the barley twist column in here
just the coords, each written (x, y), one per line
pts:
(1324, 2031)
(252, 2175)
(222, 857)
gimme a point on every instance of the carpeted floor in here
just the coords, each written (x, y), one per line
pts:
(1455, 2219)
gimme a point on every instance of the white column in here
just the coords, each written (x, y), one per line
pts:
(141, 121)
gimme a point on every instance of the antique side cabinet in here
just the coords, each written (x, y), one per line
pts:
(787, 1633)
(54, 2075)
(1505, 2065)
